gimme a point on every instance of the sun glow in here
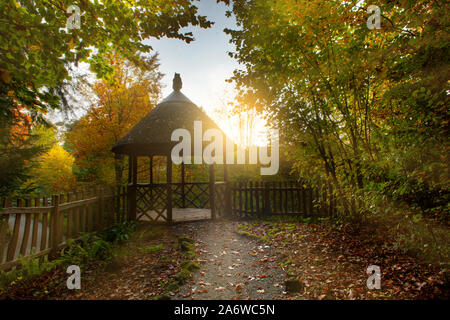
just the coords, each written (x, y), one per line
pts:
(244, 127)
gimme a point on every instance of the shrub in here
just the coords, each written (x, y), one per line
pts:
(86, 250)
(118, 232)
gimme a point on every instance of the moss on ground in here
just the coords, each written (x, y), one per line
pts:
(187, 245)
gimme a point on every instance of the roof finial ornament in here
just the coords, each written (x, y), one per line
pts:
(177, 83)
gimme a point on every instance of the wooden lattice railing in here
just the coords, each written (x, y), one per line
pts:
(151, 201)
(40, 226)
(196, 195)
(151, 198)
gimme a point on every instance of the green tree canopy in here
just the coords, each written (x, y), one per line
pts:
(350, 102)
(36, 49)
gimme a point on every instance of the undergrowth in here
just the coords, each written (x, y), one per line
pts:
(38, 277)
(392, 225)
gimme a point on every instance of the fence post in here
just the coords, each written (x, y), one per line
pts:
(169, 189)
(299, 197)
(70, 216)
(266, 199)
(246, 189)
(90, 211)
(304, 205)
(83, 213)
(228, 204)
(286, 197)
(292, 188)
(250, 189)
(26, 230)
(15, 235)
(54, 227)
(4, 228)
(101, 210)
(44, 229)
(257, 188)
(212, 191)
(132, 186)
(240, 198)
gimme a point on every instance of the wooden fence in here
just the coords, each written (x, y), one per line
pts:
(41, 226)
(282, 198)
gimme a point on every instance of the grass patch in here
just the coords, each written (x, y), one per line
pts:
(190, 265)
(187, 245)
(245, 231)
(149, 249)
(154, 233)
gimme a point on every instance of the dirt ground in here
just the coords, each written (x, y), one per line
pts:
(233, 266)
(248, 260)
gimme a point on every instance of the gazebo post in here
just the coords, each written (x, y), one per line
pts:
(183, 195)
(134, 170)
(132, 185)
(169, 188)
(212, 192)
(130, 168)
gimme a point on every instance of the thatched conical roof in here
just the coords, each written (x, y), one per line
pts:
(152, 135)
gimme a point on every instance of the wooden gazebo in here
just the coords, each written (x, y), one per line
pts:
(151, 137)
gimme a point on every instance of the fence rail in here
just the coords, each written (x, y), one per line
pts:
(282, 198)
(39, 227)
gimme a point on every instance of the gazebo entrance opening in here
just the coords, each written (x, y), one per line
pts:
(173, 199)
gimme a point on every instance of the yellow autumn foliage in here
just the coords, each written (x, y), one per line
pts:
(54, 173)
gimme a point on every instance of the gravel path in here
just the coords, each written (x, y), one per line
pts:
(233, 266)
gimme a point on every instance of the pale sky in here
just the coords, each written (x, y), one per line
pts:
(204, 64)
